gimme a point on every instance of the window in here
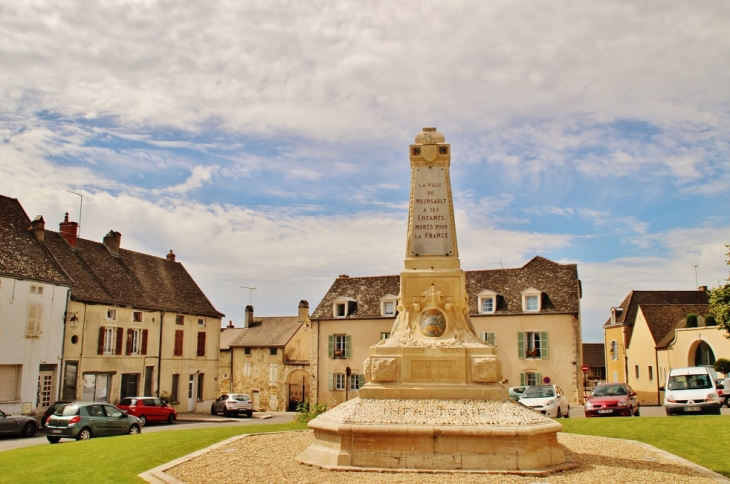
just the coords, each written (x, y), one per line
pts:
(33, 321)
(651, 373)
(179, 334)
(487, 302)
(179, 319)
(614, 350)
(340, 310)
(384, 336)
(530, 378)
(36, 289)
(273, 351)
(96, 387)
(247, 368)
(356, 381)
(201, 321)
(247, 351)
(273, 374)
(532, 344)
(130, 384)
(175, 393)
(339, 345)
(137, 341)
(531, 300)
(201, 343)
(137, 316)
(388, 305)
(69, 380)
(110, 340)
(339, 381)
(10, 382)
(201, 386)
(597, 372)
(636, 371)
(489, 336)
(111, 314)
(343, 306)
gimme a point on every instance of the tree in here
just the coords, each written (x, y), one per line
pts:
(722, 365)
(691, 321)
(720, 303)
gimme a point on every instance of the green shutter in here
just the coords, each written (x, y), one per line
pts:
(523, 378)
(543, 344)
(330, 381)
(360, 380)
(538, 378)
(347, 345)
(491, 338)
(331, 341)
(521, 345)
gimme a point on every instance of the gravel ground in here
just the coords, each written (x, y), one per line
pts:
(270, 458)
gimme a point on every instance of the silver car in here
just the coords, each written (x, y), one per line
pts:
(82, 421)
(232, 404)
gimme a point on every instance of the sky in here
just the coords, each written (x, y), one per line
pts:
(266, 143)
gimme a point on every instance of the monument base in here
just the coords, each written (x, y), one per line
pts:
(436, 435)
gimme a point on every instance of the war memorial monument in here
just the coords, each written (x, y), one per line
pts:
(433, 401)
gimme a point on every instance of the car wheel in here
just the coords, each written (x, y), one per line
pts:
(212, 410)
(249, 414)
(52, 439)
(133, 430)
(85, 434)
(567, 413)
(29, 429)
(716, 411)
(226, 413)
(637, 413)
(727, 402)
(142, 420)
(170, 419)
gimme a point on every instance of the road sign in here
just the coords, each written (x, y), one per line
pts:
(584, 368)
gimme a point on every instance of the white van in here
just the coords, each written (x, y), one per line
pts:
(691, 390)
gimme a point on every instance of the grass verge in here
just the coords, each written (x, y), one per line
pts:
(115, 459)
(700, 439)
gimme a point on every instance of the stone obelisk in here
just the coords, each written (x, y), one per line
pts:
(433, 400)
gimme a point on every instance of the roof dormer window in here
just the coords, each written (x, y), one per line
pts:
(343, 307)
(487, 302)
(616, 314)
(388, 305)
(531, 300)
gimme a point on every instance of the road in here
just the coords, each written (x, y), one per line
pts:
(9, 443)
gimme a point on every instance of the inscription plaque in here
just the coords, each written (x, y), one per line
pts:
(431, 233)
(433, 369)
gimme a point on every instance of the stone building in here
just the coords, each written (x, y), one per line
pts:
(33, 294)
(268, 359)
(136, 324)
(594, 357)
(531, 314)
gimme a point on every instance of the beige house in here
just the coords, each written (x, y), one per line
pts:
(531, 314)
(646, 337)
(268, 359)
(594, 358)
(135, 324)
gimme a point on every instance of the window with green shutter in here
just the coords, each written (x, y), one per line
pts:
(532, 344)
(330, 381)
(340, 346)
(489, 336)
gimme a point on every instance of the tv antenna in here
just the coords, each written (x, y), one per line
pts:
(81, 207)
(251, 289)
(696, 283)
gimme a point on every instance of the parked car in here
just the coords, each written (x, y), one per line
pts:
(148, 409)
(723, 390)
(691, 390)
(232, 404)
(516, 392)
(17, 425)
(84, 420)
(609, 399)
(546, 399)
(49, 411)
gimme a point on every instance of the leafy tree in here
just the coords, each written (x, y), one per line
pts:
(720, 303)
(722, 365)
(691, 321)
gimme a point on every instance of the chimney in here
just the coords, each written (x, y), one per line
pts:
(38, 227)
(343, 276)
(702, 288)
(171, 258)
(113, 240)
(303, 314)
(248, 319)
(230, 323)
(68, 230)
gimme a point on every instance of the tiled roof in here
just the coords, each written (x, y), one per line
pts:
(21, 256)
(594, 354)
(129, 279)
(663, 319)
(632, 301)
(558, 282)
(268, 331)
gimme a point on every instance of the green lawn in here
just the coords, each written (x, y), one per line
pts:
(114, 459)
(700, 439)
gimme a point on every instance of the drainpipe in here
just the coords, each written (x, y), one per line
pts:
(231, 380)
(159, 355)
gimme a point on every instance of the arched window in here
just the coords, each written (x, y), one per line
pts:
(704, 355)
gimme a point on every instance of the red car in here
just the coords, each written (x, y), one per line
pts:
(609, 399)
(148, 409)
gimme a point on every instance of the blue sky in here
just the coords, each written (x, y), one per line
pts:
(266, 143)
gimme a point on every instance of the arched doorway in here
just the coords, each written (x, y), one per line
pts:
(704, 356)
(297, 388)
